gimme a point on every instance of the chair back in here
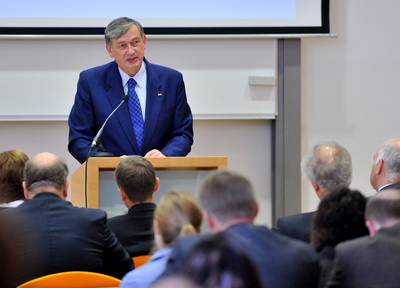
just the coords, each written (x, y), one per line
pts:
(140, 260)
(72, 279)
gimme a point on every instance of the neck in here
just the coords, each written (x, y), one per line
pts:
(45, 189)
(223, 225)
(130, 204)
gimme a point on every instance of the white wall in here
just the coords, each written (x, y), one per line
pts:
(350, 85)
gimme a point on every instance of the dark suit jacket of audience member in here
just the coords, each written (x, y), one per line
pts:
(395, 186)
(368, 261)
(134, 230)
(70, 238)
(282, 262)
(296, 226)
(326, 257)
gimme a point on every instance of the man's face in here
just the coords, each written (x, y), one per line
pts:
(128, 50)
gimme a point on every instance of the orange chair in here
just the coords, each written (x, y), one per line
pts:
(72, 279)
(140, 260)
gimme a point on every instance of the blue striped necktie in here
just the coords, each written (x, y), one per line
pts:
(136, 113)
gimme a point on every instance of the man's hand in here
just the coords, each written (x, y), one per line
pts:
(154, 154)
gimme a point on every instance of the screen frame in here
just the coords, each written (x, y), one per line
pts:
(295, 30)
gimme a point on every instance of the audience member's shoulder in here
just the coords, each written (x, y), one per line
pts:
(355, 244)
(294, 219)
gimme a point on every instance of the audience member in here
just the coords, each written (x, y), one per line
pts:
(177, 214)
(372, 261)
(385, 172)
(218, 262)
(12, 165)
(230, 207)
(340, 217)
(67, 238)
(328, 168)
(137, 181)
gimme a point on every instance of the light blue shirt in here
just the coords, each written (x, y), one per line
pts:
(145, 275)
(141, 85)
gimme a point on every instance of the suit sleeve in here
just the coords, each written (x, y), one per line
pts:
(117, 261)
(181, 136)
(82, 127)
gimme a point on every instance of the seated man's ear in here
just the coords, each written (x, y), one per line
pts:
(26, 192)
(156, 184)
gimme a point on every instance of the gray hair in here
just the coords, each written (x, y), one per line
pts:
(118, 27)
(390, 154)
(38, 175)
(228, 196)
(332, 170)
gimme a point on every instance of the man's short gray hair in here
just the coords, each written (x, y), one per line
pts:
(329, 166)
(118, 27)
(228, 196)
(390, 154)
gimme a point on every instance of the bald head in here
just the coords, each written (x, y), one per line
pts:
(45, 171)
(386, 167)
(328, 166)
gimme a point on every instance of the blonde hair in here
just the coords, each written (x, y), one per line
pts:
(178, 214)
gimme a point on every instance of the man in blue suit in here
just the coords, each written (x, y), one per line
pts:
(230, 207)
(155, 121)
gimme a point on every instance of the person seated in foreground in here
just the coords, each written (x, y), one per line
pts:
(137, 182)
(66, 238)
(372, 261)
(230, 207)
(340, 217)
(12, 165)
(177, 214)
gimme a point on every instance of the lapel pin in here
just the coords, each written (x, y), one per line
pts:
(159, 94)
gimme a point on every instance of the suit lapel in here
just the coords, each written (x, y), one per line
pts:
(115, 94)
(154, 100)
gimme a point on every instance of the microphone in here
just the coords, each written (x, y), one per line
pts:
(96, 138)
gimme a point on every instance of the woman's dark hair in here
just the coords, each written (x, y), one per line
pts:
(340, 217)
(216, 262)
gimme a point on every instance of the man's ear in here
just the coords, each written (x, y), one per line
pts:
(156, 184)
(26, 192)
(372, 227)
(108, 48)
(65, 192)
(256, 209)
(122, 193)
(209, 219)
(379, 166)
(317, 189)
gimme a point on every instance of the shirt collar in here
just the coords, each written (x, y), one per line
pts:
(12, 204)
(384, 186)
(139, 76)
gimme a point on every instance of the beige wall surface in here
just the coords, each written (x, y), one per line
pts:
(350, 90)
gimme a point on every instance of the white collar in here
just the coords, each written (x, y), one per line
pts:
(140, 76)
(12, 204)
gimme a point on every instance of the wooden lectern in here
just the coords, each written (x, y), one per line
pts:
(97, 164)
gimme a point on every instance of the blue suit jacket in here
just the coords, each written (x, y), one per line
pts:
(168, 123)
(282, 262)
